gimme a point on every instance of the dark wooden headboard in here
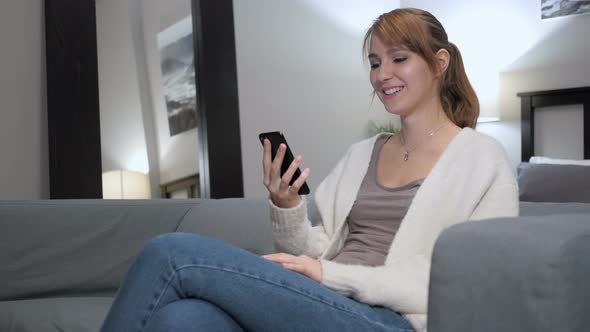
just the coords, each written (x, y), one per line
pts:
(532, 100)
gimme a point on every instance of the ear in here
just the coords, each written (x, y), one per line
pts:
(443, 58)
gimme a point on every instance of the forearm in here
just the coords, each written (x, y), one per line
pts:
(401, 286)
(293, 233)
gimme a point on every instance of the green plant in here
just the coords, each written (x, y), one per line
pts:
(389, 127)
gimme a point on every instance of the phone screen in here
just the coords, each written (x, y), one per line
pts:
(276, 138)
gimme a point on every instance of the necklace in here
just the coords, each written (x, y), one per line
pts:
(408, 151)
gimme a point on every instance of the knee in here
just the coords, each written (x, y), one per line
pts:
(191, 315)
(175, 245)
(175, 316)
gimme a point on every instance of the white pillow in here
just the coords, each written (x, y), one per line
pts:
(547, 160)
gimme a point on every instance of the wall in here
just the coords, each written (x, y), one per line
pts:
(301, 71)
(305, 76)
(557, 59)
(24, 170)
(508, 49)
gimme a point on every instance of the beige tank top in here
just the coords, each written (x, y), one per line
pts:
(375, 216)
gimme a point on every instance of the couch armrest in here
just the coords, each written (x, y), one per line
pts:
(512, 274)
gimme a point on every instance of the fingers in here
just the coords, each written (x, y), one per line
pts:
(272, 173)
(289, 262)
(282, 193)
(272, 168)
(280, 258)
(288, 259)
(275, 169)
(300, 180)
(266, 162)
(286, 178)
(297, 267)
(301, 264)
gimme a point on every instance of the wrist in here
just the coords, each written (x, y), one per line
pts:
(286, 204)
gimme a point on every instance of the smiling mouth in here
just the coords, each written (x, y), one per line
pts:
(392, 91)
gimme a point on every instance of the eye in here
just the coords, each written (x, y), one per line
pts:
(375, 65)
(399, 60)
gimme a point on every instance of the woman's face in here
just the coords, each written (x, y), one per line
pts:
(401, 78)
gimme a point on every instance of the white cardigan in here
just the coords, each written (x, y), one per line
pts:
(471, 180)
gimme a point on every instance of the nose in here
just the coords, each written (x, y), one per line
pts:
(385, 72)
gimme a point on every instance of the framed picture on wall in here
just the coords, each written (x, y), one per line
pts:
(559, 8)
(178, 75)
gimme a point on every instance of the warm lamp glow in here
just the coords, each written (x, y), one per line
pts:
(121, 184)
(484, 119)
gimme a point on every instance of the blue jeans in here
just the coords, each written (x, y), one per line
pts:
(186, 282)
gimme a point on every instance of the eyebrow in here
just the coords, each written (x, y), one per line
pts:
(389, 51)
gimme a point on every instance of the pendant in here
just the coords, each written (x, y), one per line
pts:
(406, 156)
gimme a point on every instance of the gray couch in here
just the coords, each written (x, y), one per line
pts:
(62, 261)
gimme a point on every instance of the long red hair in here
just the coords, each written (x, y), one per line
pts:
(420, 32)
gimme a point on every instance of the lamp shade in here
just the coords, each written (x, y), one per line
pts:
(121, 184)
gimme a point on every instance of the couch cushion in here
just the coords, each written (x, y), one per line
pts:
(73, 314)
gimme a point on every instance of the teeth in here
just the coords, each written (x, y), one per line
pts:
(392, 90)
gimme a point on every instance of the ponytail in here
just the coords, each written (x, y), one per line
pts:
(457, 96)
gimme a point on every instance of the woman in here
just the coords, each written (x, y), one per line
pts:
(366, 266)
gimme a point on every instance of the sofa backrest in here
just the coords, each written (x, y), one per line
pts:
(63, 247)
(72, 247)
(243, 222)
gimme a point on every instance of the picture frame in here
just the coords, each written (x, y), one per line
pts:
(561, 8)
(175, 45)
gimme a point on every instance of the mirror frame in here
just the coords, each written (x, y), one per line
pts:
(73, 110)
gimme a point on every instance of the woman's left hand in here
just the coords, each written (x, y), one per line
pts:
(302, 264)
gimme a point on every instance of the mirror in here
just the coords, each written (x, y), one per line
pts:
(134, 101)
(147, 97)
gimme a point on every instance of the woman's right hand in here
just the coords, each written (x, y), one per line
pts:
(282, 194)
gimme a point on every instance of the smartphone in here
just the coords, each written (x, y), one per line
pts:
(276, 138)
